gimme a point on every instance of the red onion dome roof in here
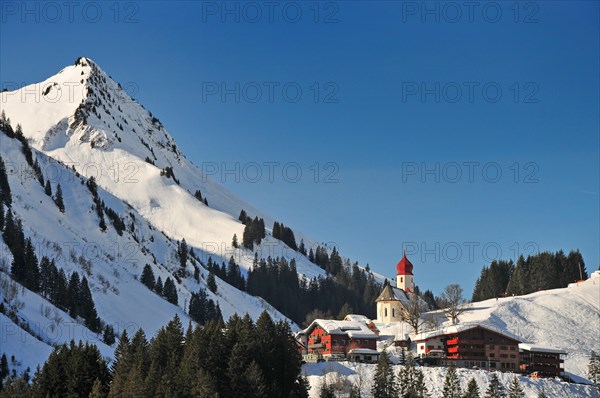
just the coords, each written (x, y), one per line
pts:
(404, 267)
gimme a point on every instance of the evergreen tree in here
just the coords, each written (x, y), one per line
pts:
(1, 215)
(384, 383)
(542, 394)
(5, 196)
(211, 282)
(29, 264)
(4, 370)
(234, 241)
(495, 388)
(419, 387)
(158, 288)
(88, 309)
(594, 368)
(73, 295)
(243, 216)
(197, 307)
(108, 336)
(58, 199)
(515, 390)
(147, 277)
(472, 389)
(97, 390)
(72, 371)
(170, 291)
(46, 279)
(182, 253)
(301, 247)
(451, 384)
(121, 366)
(48, 188)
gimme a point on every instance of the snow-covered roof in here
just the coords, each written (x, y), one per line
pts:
(453, 329)
(539, 348)
(357, 318)
(364, 351)
(355, 330)
(391, 293)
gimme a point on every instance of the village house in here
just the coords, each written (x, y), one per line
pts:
(546, 361)
(470, 345)
(327, 339)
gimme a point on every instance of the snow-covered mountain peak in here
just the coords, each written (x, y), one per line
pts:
(88, 121)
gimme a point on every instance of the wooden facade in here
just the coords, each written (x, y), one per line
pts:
(474, 347)
(545, 361)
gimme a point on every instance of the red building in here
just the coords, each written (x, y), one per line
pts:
(339, 340)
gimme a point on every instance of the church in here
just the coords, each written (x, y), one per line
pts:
(392, 300)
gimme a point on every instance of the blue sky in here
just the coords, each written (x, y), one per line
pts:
(409, 113)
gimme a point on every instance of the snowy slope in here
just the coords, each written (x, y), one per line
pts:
(362, 375)
(112, 264)
(83, 118)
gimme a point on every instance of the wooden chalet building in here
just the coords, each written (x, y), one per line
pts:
(546, 361)
(329, 340)
(470, 346)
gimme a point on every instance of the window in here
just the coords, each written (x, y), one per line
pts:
(492, 346)
(503, 356)
(385, 312)
(503, 347)
(393, 312)
(492, 355)
(401, 279)
(513, 356)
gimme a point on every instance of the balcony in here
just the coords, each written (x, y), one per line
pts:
(453, 350)
(453, 341)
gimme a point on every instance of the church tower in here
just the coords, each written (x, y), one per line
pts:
(392, 300)
(404, 275)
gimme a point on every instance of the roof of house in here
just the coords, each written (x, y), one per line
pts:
(354, 330)
(539, 348)
(453, 329)
(357, 318)
(364, 351)
(390, 293)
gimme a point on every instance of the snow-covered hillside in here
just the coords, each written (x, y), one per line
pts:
(85, 119)
(112, 263)
(362, 375)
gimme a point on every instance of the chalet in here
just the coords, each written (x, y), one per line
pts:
(393, 300)
(338, 340)
(470, 345)
(546, 361)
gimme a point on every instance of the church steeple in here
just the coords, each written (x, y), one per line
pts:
(404, 276)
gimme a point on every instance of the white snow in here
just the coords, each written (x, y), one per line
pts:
(362, 375)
